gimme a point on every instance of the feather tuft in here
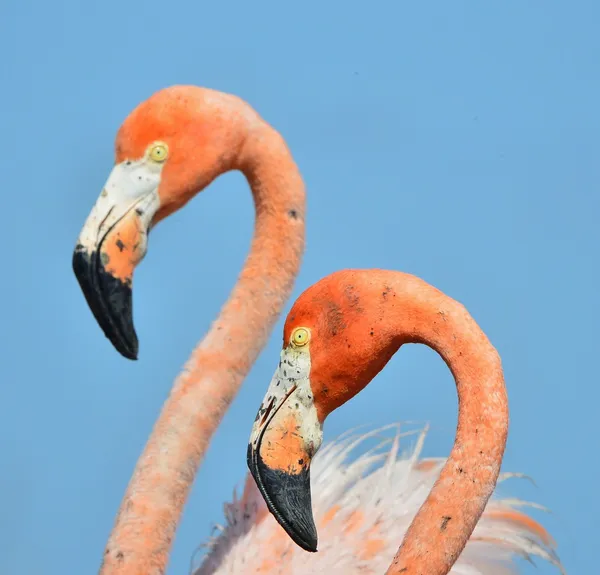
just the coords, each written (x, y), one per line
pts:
(362, 509)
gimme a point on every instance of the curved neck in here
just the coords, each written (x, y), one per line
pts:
(443, 525)
(145, 526)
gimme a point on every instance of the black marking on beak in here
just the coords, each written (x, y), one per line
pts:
(287, 496)
(109, 299)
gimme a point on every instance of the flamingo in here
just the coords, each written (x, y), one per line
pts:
(339, 334)
(172, 146)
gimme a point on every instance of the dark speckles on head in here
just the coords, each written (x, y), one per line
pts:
(352, 296)
(104, 258)
(120, 245)
(386, 291)
(139, 211)
(293, 214)
(335, 318)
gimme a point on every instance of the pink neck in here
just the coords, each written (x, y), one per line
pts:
(443, 525)
(146, 523)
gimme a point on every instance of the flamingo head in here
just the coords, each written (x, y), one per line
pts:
(169, 148)
(336, 339)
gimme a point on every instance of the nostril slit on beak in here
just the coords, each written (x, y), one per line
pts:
(104, 221)
(265, 417)
(267, 412)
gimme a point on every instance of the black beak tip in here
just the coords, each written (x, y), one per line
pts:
(109, 300)
(288, 498)
(128, 352)
(307, 540)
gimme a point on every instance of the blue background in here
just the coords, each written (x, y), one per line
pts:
(456, 142)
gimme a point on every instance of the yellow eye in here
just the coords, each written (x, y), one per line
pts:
(300, 336)
(159, 152)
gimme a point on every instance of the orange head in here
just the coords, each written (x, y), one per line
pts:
(337, 337)
(168, 149)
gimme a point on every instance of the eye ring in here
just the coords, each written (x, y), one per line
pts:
(300, 337)
(158, 152)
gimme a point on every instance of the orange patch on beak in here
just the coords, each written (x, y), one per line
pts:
(123, 247)
(283, 447)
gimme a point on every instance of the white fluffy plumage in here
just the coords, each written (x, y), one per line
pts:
(362, 510)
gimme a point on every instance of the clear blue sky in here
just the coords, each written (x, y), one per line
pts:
(456, 141)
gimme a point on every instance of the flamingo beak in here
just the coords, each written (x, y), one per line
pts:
(285, 436)
(112, 242)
